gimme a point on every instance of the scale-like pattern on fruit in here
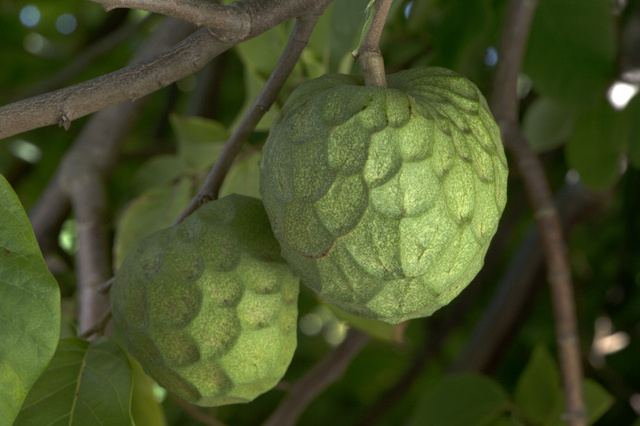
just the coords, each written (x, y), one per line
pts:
(209, 307)
(384, 200)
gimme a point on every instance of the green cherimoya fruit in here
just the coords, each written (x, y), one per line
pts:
(384, 200)
(209, 307)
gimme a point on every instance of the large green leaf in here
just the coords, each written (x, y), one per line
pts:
(547, 124)
(29, 306)
(85, 384)
(571, 50)
(463, 399)
(538, 388)
(200, 140)
(598, 140)
(152, 211)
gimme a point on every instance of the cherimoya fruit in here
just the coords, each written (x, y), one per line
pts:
(209, 307)
(384, 200)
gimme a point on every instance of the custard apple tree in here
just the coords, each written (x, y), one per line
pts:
(319, 212)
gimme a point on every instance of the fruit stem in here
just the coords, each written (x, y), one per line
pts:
(369, 53)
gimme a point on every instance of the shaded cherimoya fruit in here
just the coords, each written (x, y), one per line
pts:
(384, 200)
(209, 307)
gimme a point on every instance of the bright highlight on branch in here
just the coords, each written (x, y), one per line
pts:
(620, 94)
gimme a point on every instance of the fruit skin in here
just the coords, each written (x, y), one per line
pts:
(209, 307)
(384, 200)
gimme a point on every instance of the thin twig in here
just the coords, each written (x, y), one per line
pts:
(135, 81)
(98, 327)
(297, 41)
(106, 287)
(195, 413)
(329, 370)
(369, 55)
(505, 109)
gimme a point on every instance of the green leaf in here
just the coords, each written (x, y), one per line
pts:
(598, 140)
(538, 388)
(377, 329)
(152, 211)
(160, 170)
(463, 399)
(597, 398)
(571, 50)
(243, 178)
(85, 384)
(199, 140)
(29, 306)
(547, 124)
(145, 409)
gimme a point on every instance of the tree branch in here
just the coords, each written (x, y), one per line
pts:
(135, 81)
(371, 60)
(98, 327)
(330, 369)
(93, 266)
(504, 315)
(505, 108)
(228, 22)
(80, 179)
(297, 41)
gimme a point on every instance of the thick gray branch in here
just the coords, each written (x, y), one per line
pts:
(227, 22)
(135, 81)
